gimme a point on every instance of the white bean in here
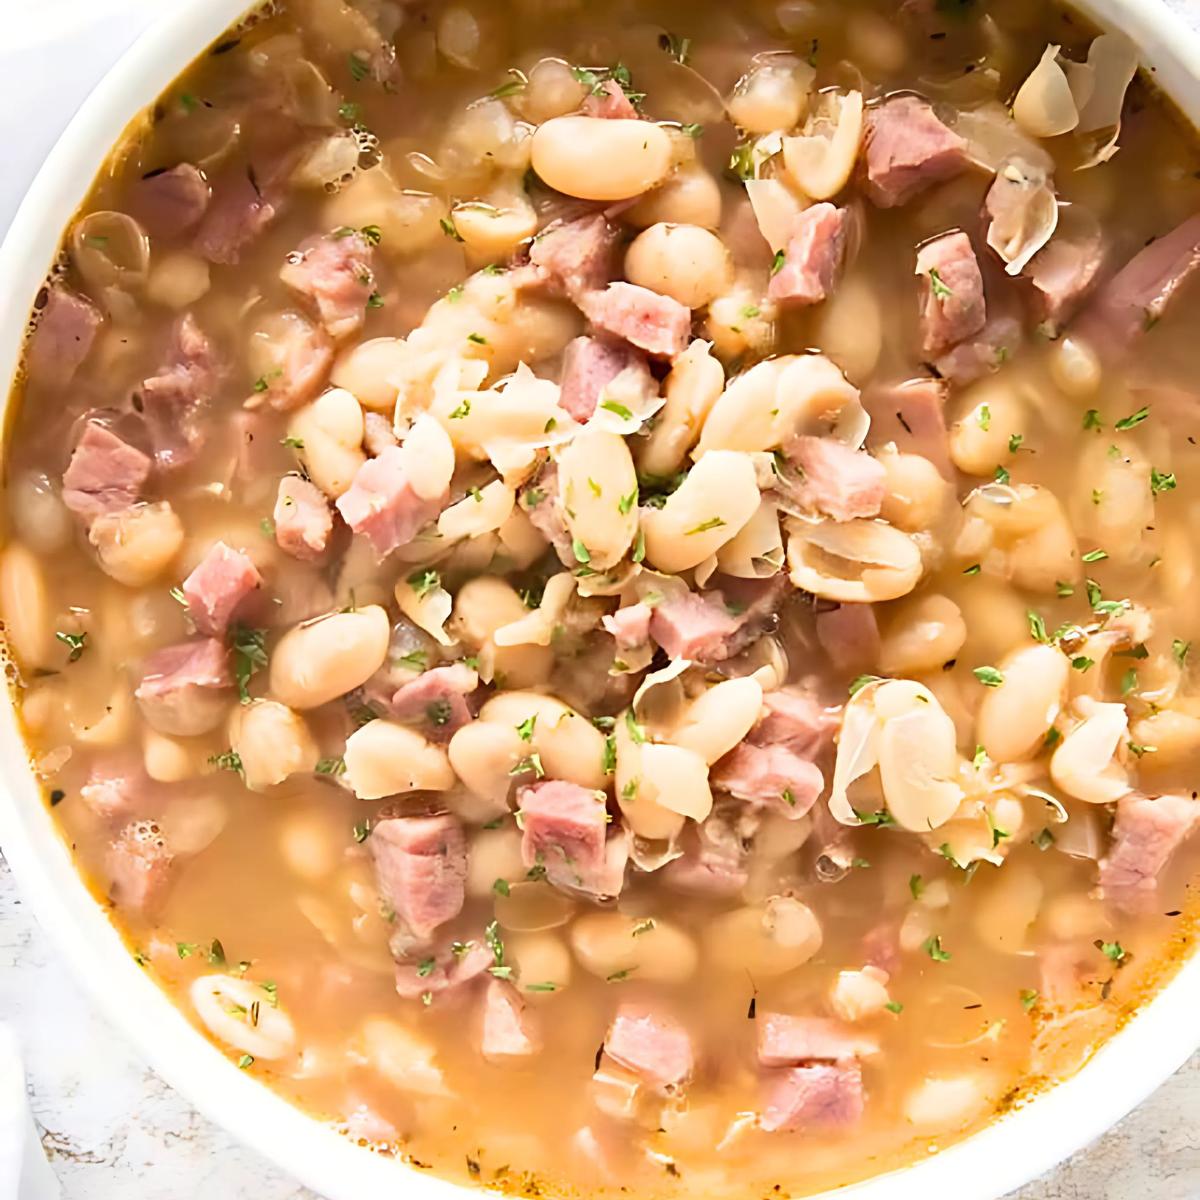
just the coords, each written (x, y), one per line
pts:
(597, 159)
(323, 659)
(407, 220)
(859, 995)
(178, 280)
(990, 414)
(848, 328)
(649, 949)
(137, 544)
(597, 484)
(225, 1004)
(40, 519)
(481, 606)
(687, 262)
(765, 940)
(367, 371)
(166, 759)
(493, 854)
(772, 95)
(719, 718)
(551, 91)
(941, 1105)
(1014, 717)
(327, 438)
(385, 758)
(272, 742)
(691, 196)
(540, 959)
(402, 1057)
(25, 607)
(922, 634)
(691, 389)
(918, 497)
(569, 745)
(483, 754)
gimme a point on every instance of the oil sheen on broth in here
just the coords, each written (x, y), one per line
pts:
(607, 590)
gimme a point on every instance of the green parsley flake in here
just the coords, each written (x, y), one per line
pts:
(933, 947)
(612, 406)
(940, 290)
(1162, 481)
(857, 684)
(988, 676)
(1029, 999)
(525, 729)
(75, 642)
(705, 526)
(1133, 420)
(984, 417)
(424, 581)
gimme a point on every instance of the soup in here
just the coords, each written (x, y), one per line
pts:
(607, 591)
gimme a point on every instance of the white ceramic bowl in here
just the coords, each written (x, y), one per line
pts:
(1010, 1152)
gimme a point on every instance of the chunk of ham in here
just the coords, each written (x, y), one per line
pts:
(509, 1029)
(446, 975)
(117, 788)
(302, 518)
(657, 324)
(912, 416)
(838, 481)
(849, 635)
(184, 687)
(708, 626)
(172, 202)
(815, 1096)
(785, 1040)
(237, 214)
(301, 353)
(172, 400)
(565, 831)
(952, 303)
(577, 256)
(421, 870)
(652, 1045)
(1147, 831)
(105, 475)
(907, 150)
(542, 504)
(65, 332)
(221, 583)
(378, 434)
(772, 775)
(797, 719)
(1063, 273)
(590, 365)
(813, 257)
(714, 861)
(1138, 295)
(437, 699)
(382, 505)
(630, 626)
(139, 864)
(610, 102)
(994, 345)
(335, 275)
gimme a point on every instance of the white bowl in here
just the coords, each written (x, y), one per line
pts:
(1010, 1152)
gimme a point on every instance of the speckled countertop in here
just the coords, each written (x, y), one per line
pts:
(111, 1129)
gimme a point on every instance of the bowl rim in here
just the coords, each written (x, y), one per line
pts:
(1011, 1150)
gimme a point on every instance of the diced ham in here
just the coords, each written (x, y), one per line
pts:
(105, 475)
(630, 626)
(813, 258)
(302, 518)
(839, 481)
(1138, 295)
(1069, 976)
(611, 103)
(797, 719)
(378, 434)
(715, 625)
(236, 216)
(445, 974)
(171, 203)
(652, 1045)
(907, 150)
(171, 401)
(774, 775)
(912, 415)
(65, 332)
(139, 867)
(219, 585)
(541, 502)
(785, 1040)
(509, 1031)
(714, 860)
(183, 687)
(590, 365)
(849, 635)
(952, 304)
(996, 343)
(565, 828)
(815, 1096)
(1147, 831)
(117, 788)
(881, 947)
(335, 274)
(578, 256)
(421, 869)
(1063, 273)
(301, 355)
(383, 506)
(657, 324)
(437, 699)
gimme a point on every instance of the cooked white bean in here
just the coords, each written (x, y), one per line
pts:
(530, 906)
(719, 718)
(407, 220)
(765, 940)
(493, 854)
(495, 229)
(687, 262)
(691, 389)
(178, 280)
(940, 1105)
(551, 91)
(405, 1058)
(597, 485)
(139, 543)
(772, 95)
(691, 196)
(166, 759)
(1003, 914)
(542, 962)
(323, 659)
(922, 634)
(226, 1003)
(1015, 717)
(312, 843)
(855, 562)
(848, 328)
(327, 438)
(642, 812)
(918, 497)
(569, 745)
(25, 607)
(367, 371)
(40, 519)
(650, 949)
(272, 742)
(385, 758)
(676, 779)
(859, 995)
(485, 604)
(990, 414)
(820, 161)
(1075, 367)
(597, 159)
(718, 497)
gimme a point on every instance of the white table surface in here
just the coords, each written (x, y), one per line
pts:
(112, 1129)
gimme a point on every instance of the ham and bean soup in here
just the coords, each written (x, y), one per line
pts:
(607, 591)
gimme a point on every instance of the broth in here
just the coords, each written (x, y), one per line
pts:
(775, 919)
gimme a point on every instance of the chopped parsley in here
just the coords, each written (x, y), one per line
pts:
(988, 676)
(940, 290)
(1044, 839)
(501, 888)
(530, 763)
(916, 885)
(1162, 481)
(1029, 999)
(777, 262)
(450, 229)
(581, 552)
(525, 729)
(705, 526)
(1091, 419)
(331, 766)
(359, 67)
(1179, 650)
(75, 642)
(1095, 556)
(984, 416)
(249, 656)
(933, 947)
(859, 682)
(1133, 420)
(636, 732)
(424, 581)
(612, 406)
(1113, 951)
(294, 443)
